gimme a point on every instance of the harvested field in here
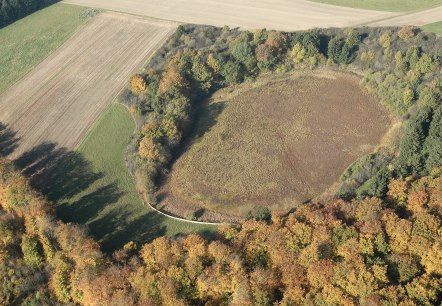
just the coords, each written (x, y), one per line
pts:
(382, 5)
(416, 19)
(61, 98)
(275, 145)
(288, 15)
(28, 41)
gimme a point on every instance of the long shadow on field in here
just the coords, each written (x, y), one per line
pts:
(143, 229)
(8, 140)
(56, 172)
(206, 116)
(64, 177)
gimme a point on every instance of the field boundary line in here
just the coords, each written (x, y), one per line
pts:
(145, 61)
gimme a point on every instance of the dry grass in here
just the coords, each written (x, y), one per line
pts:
(61, 98)
(275, 145)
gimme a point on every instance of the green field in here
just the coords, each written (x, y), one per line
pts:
(25, 43)
(386, 5)
(433, 27)
(106, 199)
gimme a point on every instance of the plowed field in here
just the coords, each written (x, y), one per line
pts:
(60, 99)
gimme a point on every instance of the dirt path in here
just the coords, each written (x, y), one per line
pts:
(64, 95)
(248, 14)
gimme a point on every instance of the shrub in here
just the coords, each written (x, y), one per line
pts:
(232, 72)
(376, 186)
(297, 53)
(406, 33)
(138, 84)
(32, 251)
(334, 50)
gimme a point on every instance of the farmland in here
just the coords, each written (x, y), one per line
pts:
(282, 142)
(382, 5)
(39, 35)
(286, 15)
(63, 96)
(417, 18)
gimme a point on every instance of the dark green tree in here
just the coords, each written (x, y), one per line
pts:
(411, 157)
(433, 143)
(232, 72)
(334, 50)
(376, 186)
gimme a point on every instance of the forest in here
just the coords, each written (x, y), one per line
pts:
(378, 243)
(400, 66)
(370, 252)
(12, 10)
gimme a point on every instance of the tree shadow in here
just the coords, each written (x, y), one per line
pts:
(65, 177)
(58, 173)
(8, 140)
(207, 117)
(89, 206)
(144, 229)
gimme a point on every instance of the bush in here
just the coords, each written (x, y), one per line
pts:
(259, 214)
(376, 186)
(232, 72)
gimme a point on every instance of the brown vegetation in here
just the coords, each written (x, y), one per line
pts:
(276, 145)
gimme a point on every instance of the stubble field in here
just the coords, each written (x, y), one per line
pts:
(285, 15)
(275, 145)
(61, 98)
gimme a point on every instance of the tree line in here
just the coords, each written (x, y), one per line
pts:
(370, 252)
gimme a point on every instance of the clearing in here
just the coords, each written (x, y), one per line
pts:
(60, 99)
(28, 41)
(275, 145)
(93, 186)
(386, 5)
(288, 15)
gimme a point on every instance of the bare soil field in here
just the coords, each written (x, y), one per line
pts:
(60, 99)
(275, 145)
(286, 15)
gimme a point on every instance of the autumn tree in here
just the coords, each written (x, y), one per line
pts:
(138, 84)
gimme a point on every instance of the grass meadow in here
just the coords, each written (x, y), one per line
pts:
(275, 145)
(26, 42)
(433, 27)
(109, 203)
(386, 5)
